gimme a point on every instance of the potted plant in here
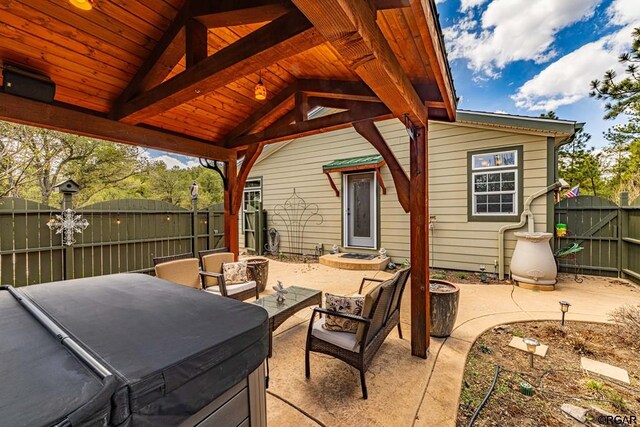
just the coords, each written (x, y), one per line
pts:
(444, 307)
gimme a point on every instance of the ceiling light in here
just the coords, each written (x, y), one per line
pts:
(82, 4)
(260, 91)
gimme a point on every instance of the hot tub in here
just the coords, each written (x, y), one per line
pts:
(157, 354)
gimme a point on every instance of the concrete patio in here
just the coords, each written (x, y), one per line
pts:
(406, 390)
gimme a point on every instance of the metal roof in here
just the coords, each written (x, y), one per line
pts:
(368, 160)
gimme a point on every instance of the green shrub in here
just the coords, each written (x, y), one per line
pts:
(460, 275)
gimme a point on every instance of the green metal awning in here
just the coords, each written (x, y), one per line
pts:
(371, 161)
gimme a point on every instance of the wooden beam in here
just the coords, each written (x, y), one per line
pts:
(250, 157)
(28, 112)
(370, 132)
(390, 4)
(350, 27)
(196, 42)
(419, 215)
(381, 181)
(231, 238)
(227, 13)
(332, 184)
(342, 104)
(161, 61)
(337, 89)
(429, 28)
(301, 107)
(263, 112)
(280, 39)
(313, 126)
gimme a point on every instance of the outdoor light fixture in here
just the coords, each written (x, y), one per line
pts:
(260, 90)
(564, 307)
(168, 218)
(532, 345)
(82, 4)
(118, 221)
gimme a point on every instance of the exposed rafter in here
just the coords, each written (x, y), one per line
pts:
(352, 30)
(265, 110)
(390, 4)
(162, 59)
(431, 37)
(250, 157)
(196, 42)
(280, 39)
(225, 13)
(25, 111)
(313, 126)
(357, 91)
(370, 132)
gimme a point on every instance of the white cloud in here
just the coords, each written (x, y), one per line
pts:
(512, 30)
(566, 81)
(623, 12)
(172, 162)
(468, 4)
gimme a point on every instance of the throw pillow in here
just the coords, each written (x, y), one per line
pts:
(341, 304)
(234, 272)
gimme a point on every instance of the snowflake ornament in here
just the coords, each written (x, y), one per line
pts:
(67, 224)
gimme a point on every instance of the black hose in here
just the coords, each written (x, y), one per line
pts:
(486, 398)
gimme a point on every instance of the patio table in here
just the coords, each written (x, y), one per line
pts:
(297, 298)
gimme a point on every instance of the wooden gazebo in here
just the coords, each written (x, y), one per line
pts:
(180, 75)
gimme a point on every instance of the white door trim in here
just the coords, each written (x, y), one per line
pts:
(345, 207)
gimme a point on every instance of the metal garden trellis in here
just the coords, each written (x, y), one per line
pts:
(295, 213)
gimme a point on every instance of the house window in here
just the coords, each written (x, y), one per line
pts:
(495, 187)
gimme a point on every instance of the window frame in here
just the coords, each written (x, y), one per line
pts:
(472, 214)
(246, 190)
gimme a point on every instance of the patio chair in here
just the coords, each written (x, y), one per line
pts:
(161, 259)
(215, 283)
(381, 314)
(184, 271)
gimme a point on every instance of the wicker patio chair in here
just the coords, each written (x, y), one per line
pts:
(184, 271)
(381, 313)
(206, 252)
(212, 264)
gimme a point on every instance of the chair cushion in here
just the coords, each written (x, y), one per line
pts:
(212, 263)
(235, 272)
(346, 305)
(184, 272)
(344, 340)
(369, 300)
(233, 289)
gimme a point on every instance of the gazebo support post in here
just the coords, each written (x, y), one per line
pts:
(231, 214)
(419, 213)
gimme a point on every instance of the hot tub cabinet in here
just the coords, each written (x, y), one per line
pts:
(130, 350)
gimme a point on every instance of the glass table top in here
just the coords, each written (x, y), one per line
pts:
(294, 296)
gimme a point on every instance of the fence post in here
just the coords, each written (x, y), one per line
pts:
(623, 223)
(68, 266)
(194, 225)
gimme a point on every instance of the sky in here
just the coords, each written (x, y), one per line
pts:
(528, 57)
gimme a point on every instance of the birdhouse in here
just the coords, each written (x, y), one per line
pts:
(68, 187)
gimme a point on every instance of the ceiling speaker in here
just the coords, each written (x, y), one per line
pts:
(28, 84)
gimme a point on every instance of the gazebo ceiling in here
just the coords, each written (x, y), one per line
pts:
(190, 68)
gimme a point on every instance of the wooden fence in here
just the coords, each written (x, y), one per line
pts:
(122, 236)
(610, 235)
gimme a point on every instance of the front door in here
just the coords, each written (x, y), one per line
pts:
(360, 210)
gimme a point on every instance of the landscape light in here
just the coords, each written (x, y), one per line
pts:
(532, 345)
(564, 307)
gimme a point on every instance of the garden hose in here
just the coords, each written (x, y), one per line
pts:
(486, 397)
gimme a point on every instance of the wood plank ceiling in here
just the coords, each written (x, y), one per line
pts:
(93, 56)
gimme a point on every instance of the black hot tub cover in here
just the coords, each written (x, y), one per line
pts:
(172, 349)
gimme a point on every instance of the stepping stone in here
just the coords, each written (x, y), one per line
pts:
(517, 342)
(604, 369)
(575, 412)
